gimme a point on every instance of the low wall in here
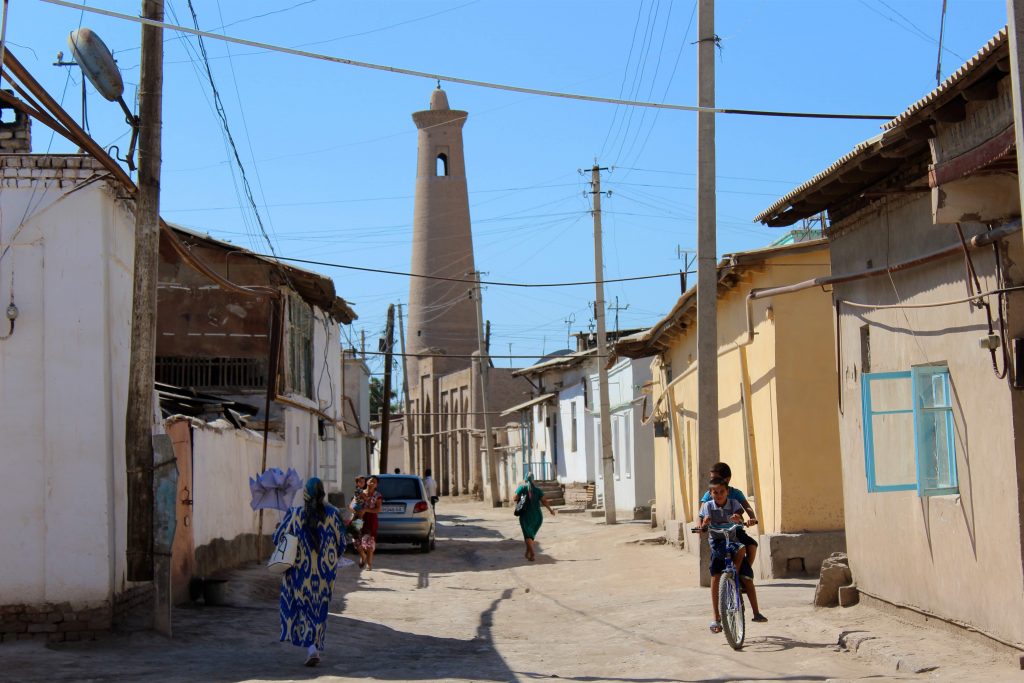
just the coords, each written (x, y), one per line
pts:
(783, 556)
(60, 622)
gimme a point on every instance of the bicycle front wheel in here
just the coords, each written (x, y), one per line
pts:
(730, 606)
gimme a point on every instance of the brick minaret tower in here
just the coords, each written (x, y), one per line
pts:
(442, 317)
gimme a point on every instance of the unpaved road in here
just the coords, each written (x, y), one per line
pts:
(600, 604)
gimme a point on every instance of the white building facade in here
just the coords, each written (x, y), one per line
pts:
(632, 440)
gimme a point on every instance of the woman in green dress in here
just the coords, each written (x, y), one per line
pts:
(531, 516)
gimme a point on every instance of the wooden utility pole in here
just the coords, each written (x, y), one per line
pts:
(142, 365)
(409, 444)
(1015, 29)
(484, 365)
(385, 409)
(707, 259)
(607, 456)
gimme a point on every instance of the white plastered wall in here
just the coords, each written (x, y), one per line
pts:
(63, 388)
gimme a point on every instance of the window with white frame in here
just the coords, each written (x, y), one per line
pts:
(909, 432)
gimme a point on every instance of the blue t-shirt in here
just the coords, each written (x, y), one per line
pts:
(720, 515)
(734, 494)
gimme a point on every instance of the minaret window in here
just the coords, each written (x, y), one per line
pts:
(442, 164)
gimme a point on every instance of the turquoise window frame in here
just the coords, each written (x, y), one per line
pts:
(869, 443)
(930, 373)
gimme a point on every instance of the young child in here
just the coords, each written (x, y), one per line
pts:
(356, 505)
(719, 512)
(723, 471)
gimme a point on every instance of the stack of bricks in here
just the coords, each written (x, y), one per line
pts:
(52, 623)
(64, 170)
(16, 136)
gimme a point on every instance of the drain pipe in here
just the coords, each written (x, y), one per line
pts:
(976, 242)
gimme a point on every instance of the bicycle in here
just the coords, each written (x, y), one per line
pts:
(730, 591)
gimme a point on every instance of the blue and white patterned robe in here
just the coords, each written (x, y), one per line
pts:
(306, 588)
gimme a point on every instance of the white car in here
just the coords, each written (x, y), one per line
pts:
(406, 515)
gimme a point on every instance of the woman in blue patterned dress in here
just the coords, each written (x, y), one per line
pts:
(306, 588)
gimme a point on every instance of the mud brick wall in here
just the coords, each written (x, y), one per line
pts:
(54, 623)
(60, 622)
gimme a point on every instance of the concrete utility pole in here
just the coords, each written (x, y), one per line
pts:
(485, 363)
(409, 447)
(1015, 29)
(142, 365)
(385, 409)
(707, 266)
(607, 458)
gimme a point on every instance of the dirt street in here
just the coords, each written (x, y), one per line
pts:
(599, 604)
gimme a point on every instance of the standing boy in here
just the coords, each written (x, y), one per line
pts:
(719, 513)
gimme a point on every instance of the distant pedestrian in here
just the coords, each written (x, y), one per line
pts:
(531, 516)
(372, 507)
(306, 588)
(355, 528)
(431, 486)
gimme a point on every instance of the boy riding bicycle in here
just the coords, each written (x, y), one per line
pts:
(721, 512)
(722, 469)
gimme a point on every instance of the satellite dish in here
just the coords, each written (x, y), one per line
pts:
(97, 63)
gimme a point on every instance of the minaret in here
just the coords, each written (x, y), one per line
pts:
(442, 317)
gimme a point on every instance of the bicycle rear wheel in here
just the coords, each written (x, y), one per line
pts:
(730, 606)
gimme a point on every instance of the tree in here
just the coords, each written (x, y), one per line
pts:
(377, 399)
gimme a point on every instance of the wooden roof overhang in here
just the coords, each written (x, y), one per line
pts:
(898, 160)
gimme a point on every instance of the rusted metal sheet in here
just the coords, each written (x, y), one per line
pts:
(207, 322)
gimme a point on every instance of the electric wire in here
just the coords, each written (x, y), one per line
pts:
(462, 81)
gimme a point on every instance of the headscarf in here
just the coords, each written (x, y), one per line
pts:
(313, 503)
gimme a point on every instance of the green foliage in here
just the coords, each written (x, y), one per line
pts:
(377, 398)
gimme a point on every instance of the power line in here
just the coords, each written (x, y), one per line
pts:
(222, 115)
(456, 79)
(470, 355)
(383, 271)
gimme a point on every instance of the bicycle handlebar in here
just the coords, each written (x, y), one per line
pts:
(724, 530)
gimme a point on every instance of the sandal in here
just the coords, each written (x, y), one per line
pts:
(313, 660)
(715, 626)
(760, 618)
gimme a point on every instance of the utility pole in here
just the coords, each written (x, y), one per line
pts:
(1015, 29)
(688, 257)
(617, 308)
(487, 344)
(707, 266)
(362, 342)
(485, 362)
(385, 409)
(139, 413)
(607, 458)
(410, 449)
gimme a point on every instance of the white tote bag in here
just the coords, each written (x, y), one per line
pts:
(283, 557)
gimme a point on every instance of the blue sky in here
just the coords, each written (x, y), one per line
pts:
(330, 150)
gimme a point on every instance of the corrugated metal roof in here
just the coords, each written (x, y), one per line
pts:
(891, 129)
(968, 67)
(860, 150)
(643, 344)
(567, 360)
(533, 401)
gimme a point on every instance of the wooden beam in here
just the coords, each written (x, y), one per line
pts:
(953, 111)
(921, 131)
(985, 89)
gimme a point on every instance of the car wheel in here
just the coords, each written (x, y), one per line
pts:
(427, 544)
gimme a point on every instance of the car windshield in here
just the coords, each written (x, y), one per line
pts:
(399, 488)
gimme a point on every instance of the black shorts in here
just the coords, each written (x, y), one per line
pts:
(744, 538)
(719, 550)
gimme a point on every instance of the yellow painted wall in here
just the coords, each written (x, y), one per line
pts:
(793, 471)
